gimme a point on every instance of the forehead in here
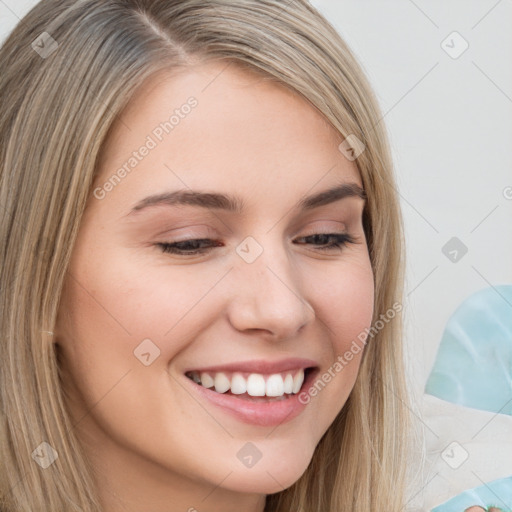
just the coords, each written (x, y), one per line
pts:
(244, 133)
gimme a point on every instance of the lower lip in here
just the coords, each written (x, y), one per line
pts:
(264, 414)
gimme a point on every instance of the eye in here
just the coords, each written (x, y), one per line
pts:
(186, 247)
(338, 240)
(322, 241)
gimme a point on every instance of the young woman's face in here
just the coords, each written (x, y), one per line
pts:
(258, 300)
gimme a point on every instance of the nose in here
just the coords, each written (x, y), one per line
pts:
(267, 297)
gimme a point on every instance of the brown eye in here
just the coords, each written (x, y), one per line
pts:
(193, 246)
(329, 241)
(322, 241)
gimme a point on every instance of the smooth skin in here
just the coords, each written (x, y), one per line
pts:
(156, 445)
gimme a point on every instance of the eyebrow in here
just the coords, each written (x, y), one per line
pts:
(235, 204)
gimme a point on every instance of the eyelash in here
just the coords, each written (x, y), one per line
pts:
(341, 240)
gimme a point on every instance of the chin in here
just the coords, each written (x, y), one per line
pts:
(275, 475)
(262, 482)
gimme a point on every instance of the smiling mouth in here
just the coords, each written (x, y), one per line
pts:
(253, 386)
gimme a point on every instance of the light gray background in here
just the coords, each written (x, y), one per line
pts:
(450, 126)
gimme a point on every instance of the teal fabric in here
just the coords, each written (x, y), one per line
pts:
(473, 366)
(496, 494)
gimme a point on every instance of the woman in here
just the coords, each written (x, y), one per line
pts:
(202, 266)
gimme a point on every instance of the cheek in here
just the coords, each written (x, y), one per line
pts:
(344, 303)
(118, 301)
(112, 305)
(344, 306)
(103, 321)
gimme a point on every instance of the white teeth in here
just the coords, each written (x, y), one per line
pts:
(256, 384)
(222, 383)
(275, 385)
(206, 380)
(297, 381)
(288, 384)
(238, 384)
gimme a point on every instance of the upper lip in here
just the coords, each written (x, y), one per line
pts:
(259, 366)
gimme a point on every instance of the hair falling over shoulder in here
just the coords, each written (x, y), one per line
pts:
(59, 100)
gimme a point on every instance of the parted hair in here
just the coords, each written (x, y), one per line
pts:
(57, 110)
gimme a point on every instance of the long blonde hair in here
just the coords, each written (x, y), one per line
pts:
(60, 96)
